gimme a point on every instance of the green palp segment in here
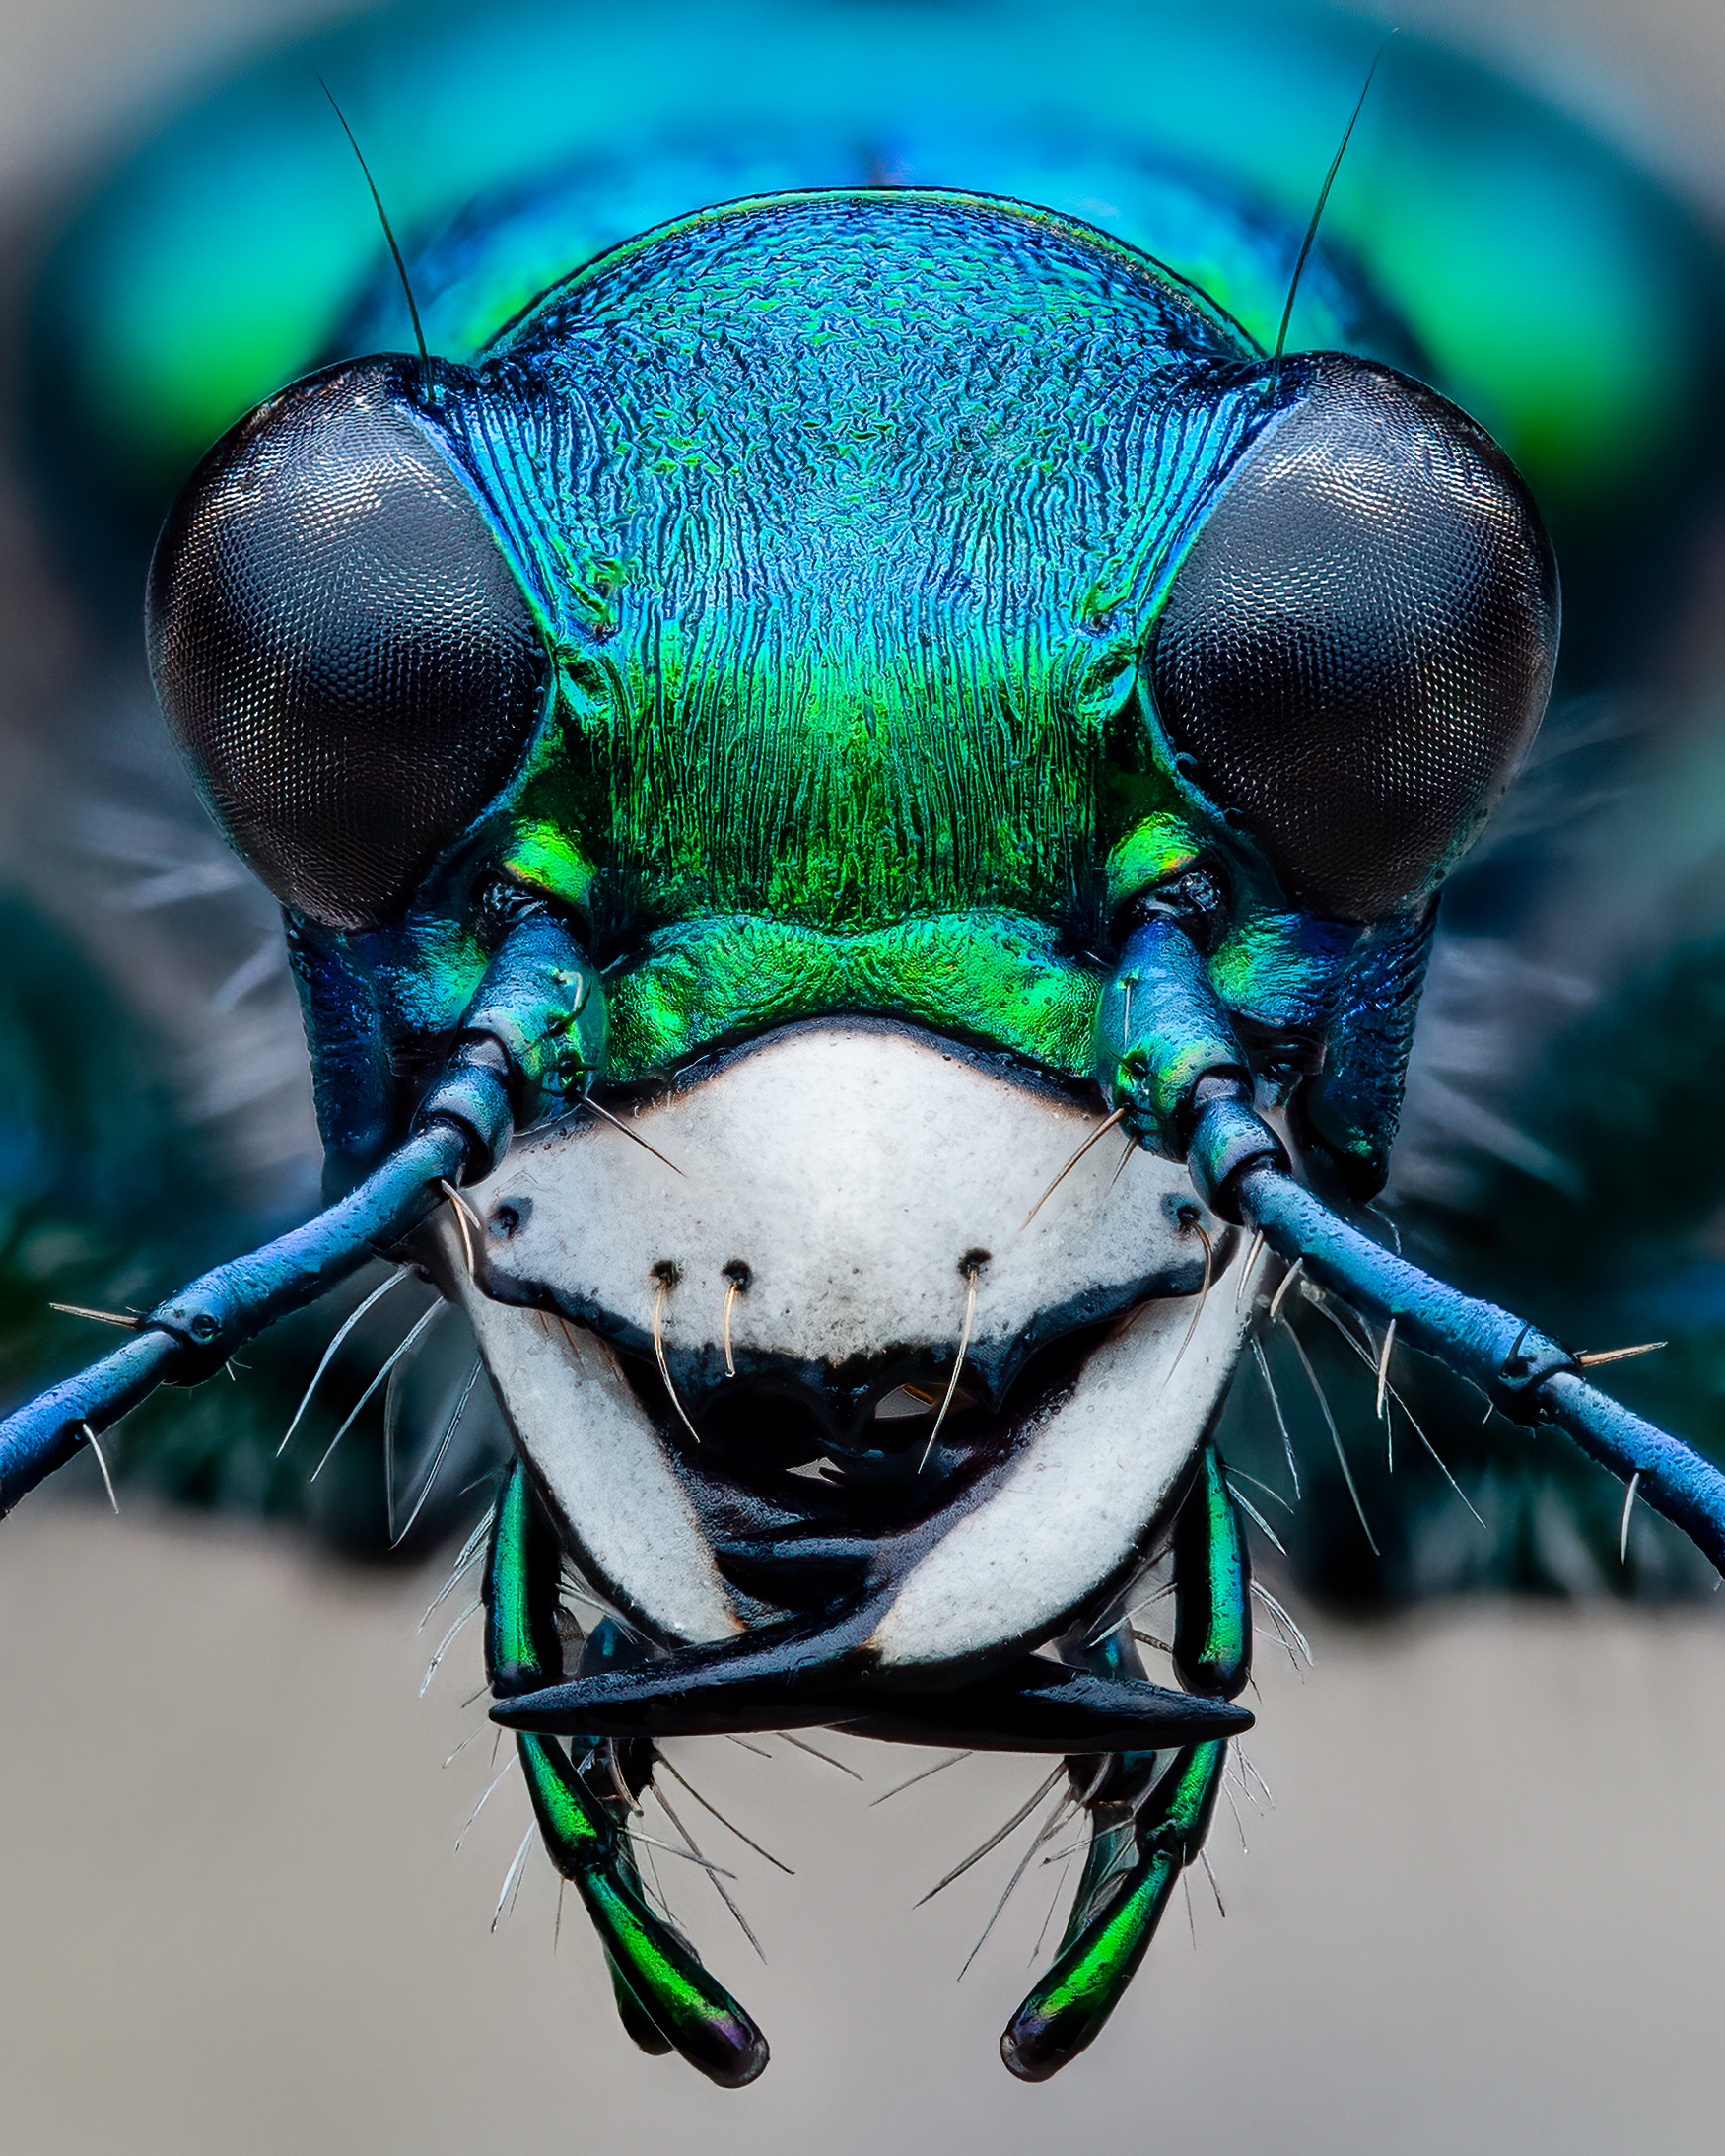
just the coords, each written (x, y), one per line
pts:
(1147, 1830)
(1212, 1633)
(579, 1832)
(521, 1648)
(690, 2011)
(665, 1998)
(1068, 2009)
(643, 2030)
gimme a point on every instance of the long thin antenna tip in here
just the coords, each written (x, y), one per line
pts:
(1317, 218)
(389, 232)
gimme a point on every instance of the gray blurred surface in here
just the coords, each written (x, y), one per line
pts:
(1482, 1914)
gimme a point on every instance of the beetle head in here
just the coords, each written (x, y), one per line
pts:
(438, 640)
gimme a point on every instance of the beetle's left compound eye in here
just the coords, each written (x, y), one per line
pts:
(1357, 651)
(345, 658)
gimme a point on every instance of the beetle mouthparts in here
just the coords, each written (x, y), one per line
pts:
(871, 1181)
(799, 1681)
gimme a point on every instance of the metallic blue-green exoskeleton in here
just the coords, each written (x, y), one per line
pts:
(865, 691)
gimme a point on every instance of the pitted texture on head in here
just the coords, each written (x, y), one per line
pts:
(853, 499)
(344, 655)
(1357, 651)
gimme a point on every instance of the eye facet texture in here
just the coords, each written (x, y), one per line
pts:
(1357, 649)
(345, 659)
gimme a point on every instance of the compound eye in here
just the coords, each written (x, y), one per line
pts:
(345, 658)
(1357, 648)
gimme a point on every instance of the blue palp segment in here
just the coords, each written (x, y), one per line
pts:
(532, 1026)
(1527, 1376)
(1162, 1028)
(1240, 1167)
(48, 1432)
(187, 1339)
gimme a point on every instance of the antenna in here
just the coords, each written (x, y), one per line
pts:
(1294, 284)
(401, 266)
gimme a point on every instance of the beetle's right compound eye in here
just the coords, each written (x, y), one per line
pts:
(1357, 650)
(346, 659)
